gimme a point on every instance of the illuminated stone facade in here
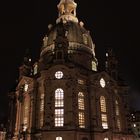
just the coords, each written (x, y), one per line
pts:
(63, 96)
(2, 132)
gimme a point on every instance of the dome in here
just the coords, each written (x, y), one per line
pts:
(78, 37)
(68, 28)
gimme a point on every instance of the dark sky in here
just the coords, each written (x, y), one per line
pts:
(111, 23)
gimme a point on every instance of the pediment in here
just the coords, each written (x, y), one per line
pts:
(95, 78)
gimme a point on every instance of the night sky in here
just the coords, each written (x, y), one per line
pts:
(23, 25)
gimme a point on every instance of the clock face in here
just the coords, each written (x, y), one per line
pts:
(102, 82)
(59, 45)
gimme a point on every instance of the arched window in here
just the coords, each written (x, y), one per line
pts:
(103, 104)
(59, 107)
(59, 98)
(103, 112)
(41, 109)
(35, 69)
(117, 111)
(59, 138)
(117, 108)
(81, 107)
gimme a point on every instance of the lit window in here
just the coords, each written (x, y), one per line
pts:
(41, 109)
(59, 105)
(81, 82)
(59, 117)
(103, 112)
(26, 114)
(104, 121)
(103, 104)
(117, 108)
(59, 98)
(59, 138)
(59, 74)
(81, 108)
(26, 87)
(133, 117)
(106, 54)
(35, 69)
(118, 123)
(104, 125)
(81, 101)
(42, 102)
(102, 82)
(85, 38)
(104, 117)
(106, 64)
(134, 125)
(81, 120)
(94, 66)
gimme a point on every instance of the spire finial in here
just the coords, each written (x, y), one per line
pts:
(67, 11)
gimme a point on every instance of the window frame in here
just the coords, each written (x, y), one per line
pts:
(59, 108)
(103, 109)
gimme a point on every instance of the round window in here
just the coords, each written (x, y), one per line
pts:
(58, 74)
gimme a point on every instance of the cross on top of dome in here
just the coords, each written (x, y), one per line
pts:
(67, 11)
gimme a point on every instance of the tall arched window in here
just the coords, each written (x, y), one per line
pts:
(117, 111)
(35, 69)
(81, 107)
(59, 107)
(41, 109)
(103, 112)
(59, 98)
(59, 138)
(103, 104)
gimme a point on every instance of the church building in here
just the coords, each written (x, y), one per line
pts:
(63, 96)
